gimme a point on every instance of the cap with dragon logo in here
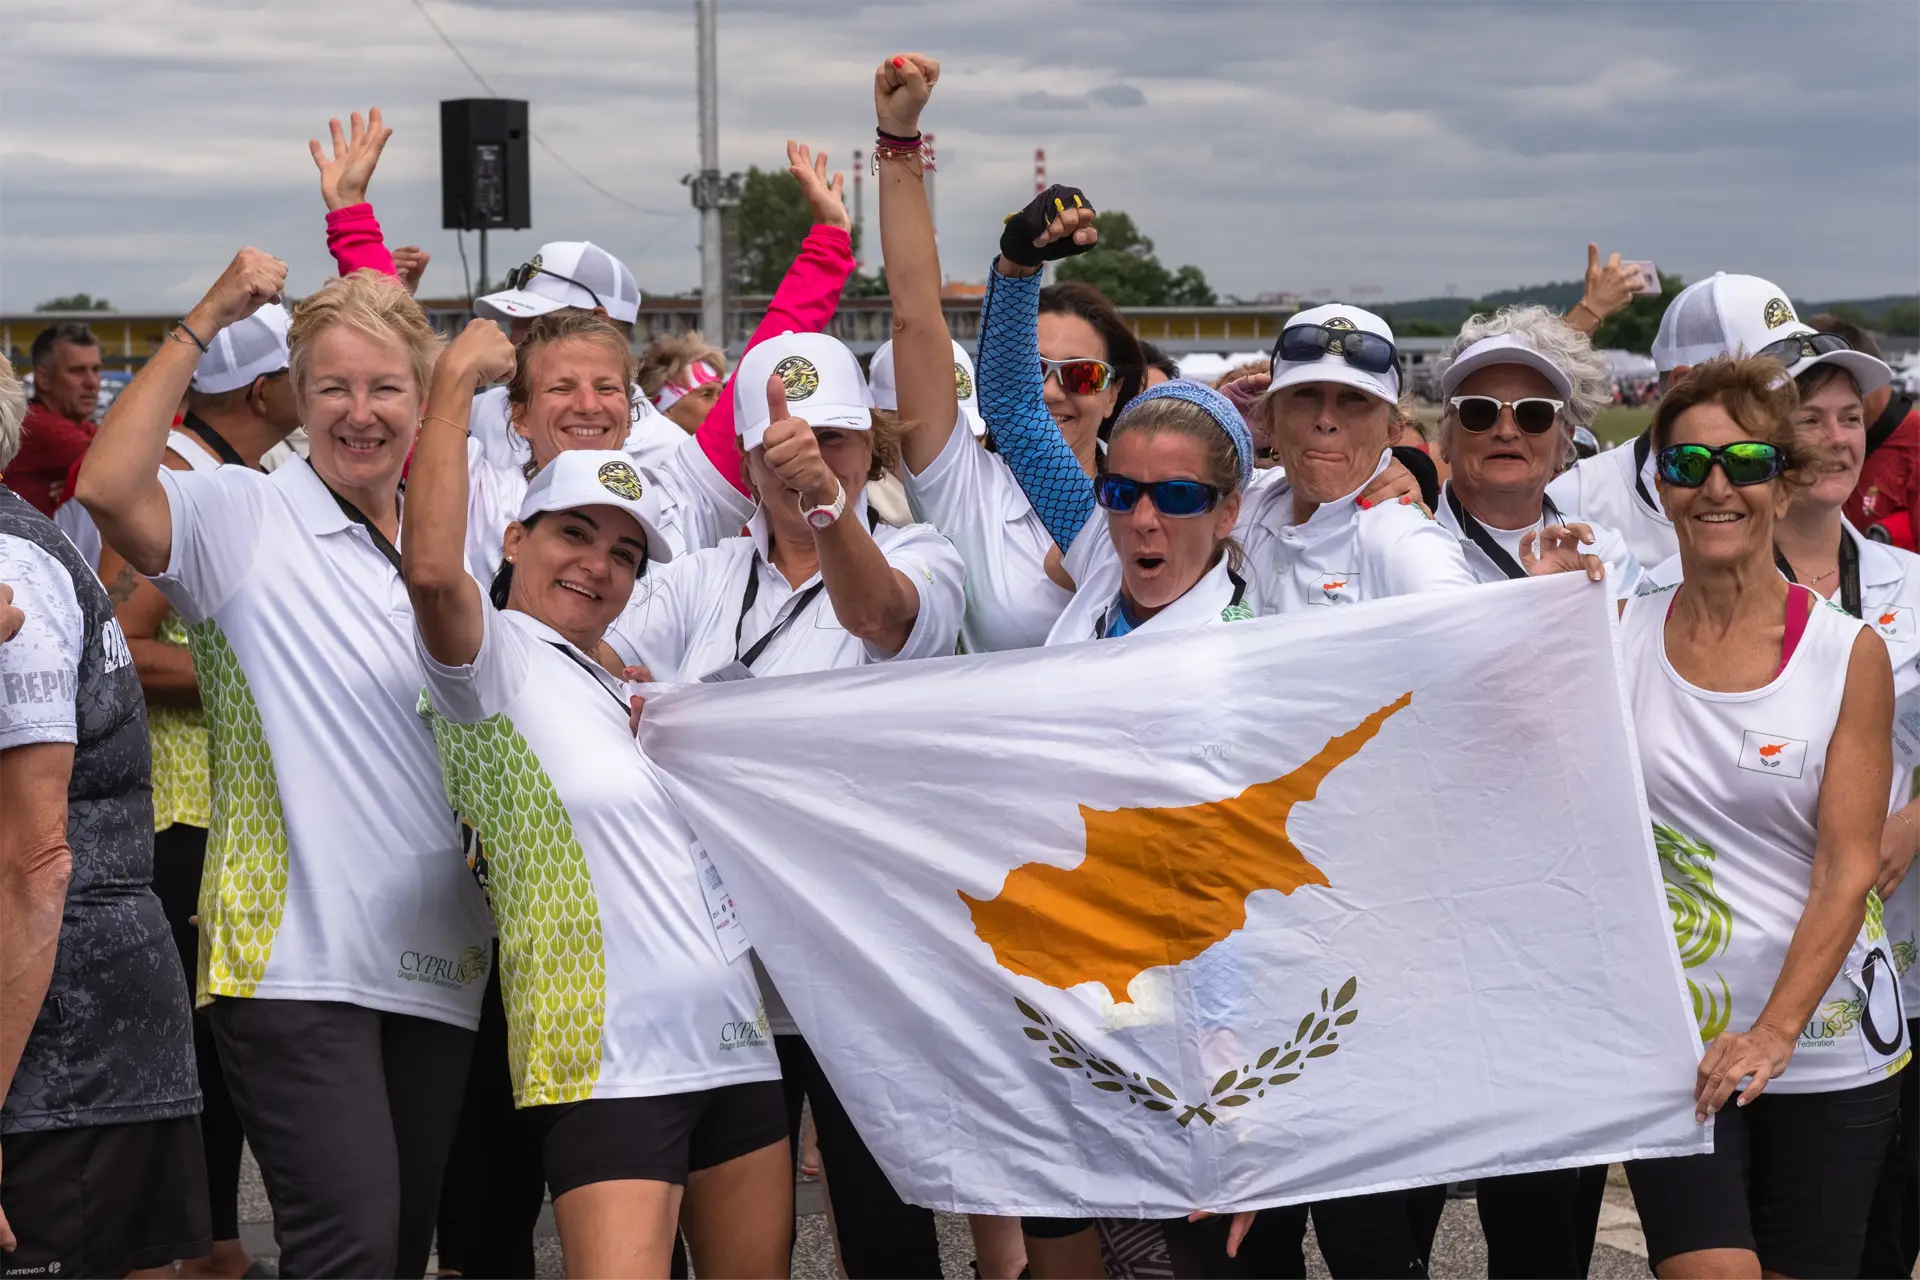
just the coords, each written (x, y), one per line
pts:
(1778, 312)
(620, 479)
(798, 375)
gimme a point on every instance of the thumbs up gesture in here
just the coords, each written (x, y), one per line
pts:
(793, 453)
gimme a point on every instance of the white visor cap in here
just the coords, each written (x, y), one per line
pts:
(243, 351)
(822, 378)
(1504, 348)
(1723, 316)
(1332, 366)
(886, 394)
(568, 273)
(598, 478)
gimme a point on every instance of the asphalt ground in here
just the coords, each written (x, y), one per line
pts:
(1458, 1249)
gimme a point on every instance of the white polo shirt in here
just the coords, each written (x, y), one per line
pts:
(682, 620)
(1601, 490)
(970, 495)
(1343, 553)
(1624, 574)
(618, 981)
(698, 506)
(334, 867)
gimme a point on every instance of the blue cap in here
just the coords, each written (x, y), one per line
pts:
(1217, 407)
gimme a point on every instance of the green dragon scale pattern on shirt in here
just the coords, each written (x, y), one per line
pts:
(1702, 921)
(553, 971)
(243, 891)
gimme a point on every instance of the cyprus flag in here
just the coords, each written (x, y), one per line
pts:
(1225, 918)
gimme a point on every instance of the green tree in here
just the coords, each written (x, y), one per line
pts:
(75, 302)
(1902, 318)
(1633, 329)
(1123, 267)
(771, 222)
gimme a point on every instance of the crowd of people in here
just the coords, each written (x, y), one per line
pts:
(326, 830)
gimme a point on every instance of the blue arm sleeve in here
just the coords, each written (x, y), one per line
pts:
(1013, 402)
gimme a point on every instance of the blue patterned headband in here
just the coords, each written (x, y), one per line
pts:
(1217, 407)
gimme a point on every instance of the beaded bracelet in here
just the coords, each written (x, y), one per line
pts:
(182, 326)
(888, 146)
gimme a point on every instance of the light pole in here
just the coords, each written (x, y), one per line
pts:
(709, 189)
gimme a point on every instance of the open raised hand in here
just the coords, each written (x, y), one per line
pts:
(344, 177)
(823, 196)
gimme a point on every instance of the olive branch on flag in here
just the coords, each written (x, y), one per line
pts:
(1317, 1036)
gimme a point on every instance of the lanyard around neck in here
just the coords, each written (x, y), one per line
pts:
(800, 603)
(592, 671)
(221, 448)
(359, 517)
(1849, 568)
(1549, 514)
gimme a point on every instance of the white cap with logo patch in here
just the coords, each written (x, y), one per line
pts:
(565, 273)
(598, 478)
(886, 395)
(1721, 316)
(1332, 364)
(823, 380)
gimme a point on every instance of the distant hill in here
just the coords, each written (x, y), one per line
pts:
(1449, 314)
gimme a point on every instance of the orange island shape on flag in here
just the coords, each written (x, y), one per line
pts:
(1158, 886)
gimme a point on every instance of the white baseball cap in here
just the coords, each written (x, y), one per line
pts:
(1869, 374)
(565, 273)
(1504, 348)
(598, 478)
(1721, 316)
(243, 351)
(886, 395)
(1332, 365)
(824, 385)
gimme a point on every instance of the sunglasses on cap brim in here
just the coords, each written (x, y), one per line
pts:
(1177, 498)
(1534, 415)
(1803, 346)
(1301, 343)
(1745, 462)
(1078, 377)
(522, 275)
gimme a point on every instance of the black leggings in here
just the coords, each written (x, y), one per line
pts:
(179, 853)
(1893, 1225)
(880, 1234)
(1541, 1224)
(490, 1201)
(1387, 1234)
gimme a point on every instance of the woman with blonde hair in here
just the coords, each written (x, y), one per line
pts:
(683, 373)
(343, 944)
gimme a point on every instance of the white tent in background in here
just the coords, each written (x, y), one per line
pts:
(1628, 366)
(1205, 366)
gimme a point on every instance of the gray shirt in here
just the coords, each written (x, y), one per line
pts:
(113, 1042)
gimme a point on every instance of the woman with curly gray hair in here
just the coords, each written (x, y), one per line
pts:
(1513, 386)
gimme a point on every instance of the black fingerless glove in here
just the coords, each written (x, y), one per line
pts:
(1028, 225)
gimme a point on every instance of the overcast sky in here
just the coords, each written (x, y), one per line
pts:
(1414, 149)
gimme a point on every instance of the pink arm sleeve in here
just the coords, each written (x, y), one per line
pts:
(354, 240)
(804, 303)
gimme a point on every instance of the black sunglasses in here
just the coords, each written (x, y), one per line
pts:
(1303, 342)
(520, 276)
(1803, 346)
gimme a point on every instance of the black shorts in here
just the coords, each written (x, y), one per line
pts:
(105, 1200)
(661, 1139)
(1791, 1178)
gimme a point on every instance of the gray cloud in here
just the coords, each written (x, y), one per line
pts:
(1409, 147)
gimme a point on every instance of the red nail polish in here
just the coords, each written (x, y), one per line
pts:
(1364, 504)
(899, 62)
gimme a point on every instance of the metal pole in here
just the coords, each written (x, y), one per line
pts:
(483, 261)
(713, 282)
(859, 207)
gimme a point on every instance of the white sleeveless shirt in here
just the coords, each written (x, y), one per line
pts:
(1733, 783)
